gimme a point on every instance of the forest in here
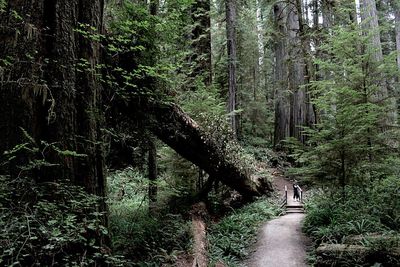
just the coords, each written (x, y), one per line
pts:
(164, 132)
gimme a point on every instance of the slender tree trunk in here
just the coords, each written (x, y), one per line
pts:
(152, 172)
(152, 148)
(282, 104)
(154, 7)
(232, 60)
(397, 30)
(317, 38)
(201, 55)
(327, 11)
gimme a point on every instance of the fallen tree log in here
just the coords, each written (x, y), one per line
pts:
(176, 129)
(199, 214)
(338, 254)
(351, 249)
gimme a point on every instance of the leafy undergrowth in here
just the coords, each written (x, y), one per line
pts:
(231, 239)
(51, 224)
(336, 217)
(144, 239)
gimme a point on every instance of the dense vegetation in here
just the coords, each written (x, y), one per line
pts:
(119, 119)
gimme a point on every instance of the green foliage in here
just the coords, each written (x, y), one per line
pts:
(181, 174)
(367, 216)
(352, 139)
(254, 72)
(51, 224)
(385, 196)
(231, 239)
(29, 156)
(132, 41)
(358, 210)
(147, 239)
(332, 216)
(2, 5)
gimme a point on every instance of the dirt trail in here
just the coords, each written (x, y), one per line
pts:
(281, 242)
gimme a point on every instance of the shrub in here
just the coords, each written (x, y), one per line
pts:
(362, 212)
(52, 224)
(148, 240)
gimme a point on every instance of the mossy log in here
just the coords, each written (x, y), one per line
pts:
(338, 254)
(350, 249)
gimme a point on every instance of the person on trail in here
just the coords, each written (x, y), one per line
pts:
(296, 192)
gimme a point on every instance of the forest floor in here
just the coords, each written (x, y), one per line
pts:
(281, 241)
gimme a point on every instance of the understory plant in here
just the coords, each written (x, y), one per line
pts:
(354, 138)
(51, 224)
(368, 216)
(147, 239)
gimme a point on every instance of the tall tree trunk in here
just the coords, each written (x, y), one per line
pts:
(44, 94)
(370, 23)
(397, 30)
(230, 6)
(292, 76)
(369, 18)
(327, 7)
(152, 148)
(317, 38)
(282, 97)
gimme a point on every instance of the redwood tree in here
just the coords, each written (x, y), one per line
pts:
(44, 92)
(230, 6)
(293, 109)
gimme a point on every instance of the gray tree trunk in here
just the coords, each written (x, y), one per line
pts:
(293, 108)
(230, 6)
(397, 29)
(369, 18)
(282, 95)
(327, 13)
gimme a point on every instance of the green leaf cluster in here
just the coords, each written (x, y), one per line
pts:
(353, 138)
(362, 212)
(51, 224)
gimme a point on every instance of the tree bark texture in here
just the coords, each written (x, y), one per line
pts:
(293, 108)
(370, 23)
(282, 95)
(231, 39)
(175, 128)
(397, 30)
(327, 7)
(369, 18)
(43, 93)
